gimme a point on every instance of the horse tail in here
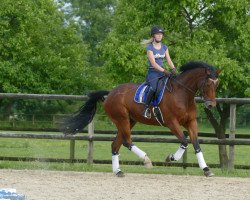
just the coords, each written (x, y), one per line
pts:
(80, 119)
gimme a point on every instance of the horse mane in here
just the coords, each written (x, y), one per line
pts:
(198, 64)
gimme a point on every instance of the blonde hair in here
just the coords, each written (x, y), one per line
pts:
(145, 43)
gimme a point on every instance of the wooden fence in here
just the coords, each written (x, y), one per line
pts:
(90, 137)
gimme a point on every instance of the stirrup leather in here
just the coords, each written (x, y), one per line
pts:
(147, 113)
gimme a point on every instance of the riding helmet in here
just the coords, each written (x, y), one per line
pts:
(156, 29)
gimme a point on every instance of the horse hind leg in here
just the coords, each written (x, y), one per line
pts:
(141, 154)
(124, 137)
(127, 142)
(147, 162)
(115, 146)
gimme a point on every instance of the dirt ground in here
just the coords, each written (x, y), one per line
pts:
(53, 185)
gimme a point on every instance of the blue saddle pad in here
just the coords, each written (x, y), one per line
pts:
(142, 92)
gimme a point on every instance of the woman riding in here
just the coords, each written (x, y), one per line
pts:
(156, 52)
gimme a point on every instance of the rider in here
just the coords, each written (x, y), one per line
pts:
(156, 52)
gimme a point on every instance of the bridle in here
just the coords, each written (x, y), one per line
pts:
(201, 89)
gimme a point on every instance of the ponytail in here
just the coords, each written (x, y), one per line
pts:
(145, 43)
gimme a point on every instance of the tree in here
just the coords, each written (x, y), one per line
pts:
(216, 32)
(94, 18)
(39, 52)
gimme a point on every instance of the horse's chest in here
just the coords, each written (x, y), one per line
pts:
(184, 114)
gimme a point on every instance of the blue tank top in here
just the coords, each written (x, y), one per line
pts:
(159, 54)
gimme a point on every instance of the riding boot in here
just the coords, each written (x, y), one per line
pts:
(146, 112)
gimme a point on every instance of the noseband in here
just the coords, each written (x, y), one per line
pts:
(203, 85)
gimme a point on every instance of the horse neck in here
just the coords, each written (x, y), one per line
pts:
(189, 81)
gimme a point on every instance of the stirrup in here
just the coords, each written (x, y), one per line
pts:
(147, 113)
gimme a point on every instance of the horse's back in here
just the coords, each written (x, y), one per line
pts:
(120, 97)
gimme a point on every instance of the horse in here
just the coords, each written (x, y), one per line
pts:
(178, 108)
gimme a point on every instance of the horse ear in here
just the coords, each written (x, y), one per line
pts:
(218, 71)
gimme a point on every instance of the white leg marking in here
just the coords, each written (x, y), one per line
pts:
(115, 163)
(178, 154)
(138, 152)
(201, 160)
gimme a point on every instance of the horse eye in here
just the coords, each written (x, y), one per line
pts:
(209, 82)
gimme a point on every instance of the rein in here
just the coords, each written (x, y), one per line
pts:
(170, 77)
(183, 86)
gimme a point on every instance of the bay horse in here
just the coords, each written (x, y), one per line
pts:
(178, 108)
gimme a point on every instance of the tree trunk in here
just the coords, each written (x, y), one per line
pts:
(7, 109)
(220, 131)
(222, 149)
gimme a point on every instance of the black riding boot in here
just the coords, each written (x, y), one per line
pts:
(146, 112)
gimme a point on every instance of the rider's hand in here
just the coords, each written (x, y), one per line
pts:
(166, 72)
(173, 71)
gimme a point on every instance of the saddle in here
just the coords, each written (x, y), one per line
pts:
(142, 92)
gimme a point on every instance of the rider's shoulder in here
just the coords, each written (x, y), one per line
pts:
(150, 47)
(165, 47)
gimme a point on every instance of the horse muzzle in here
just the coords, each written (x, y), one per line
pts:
(210, 104)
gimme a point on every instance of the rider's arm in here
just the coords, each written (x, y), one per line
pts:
(170, 63)
(151, 59)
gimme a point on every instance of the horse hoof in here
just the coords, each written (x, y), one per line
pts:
(169, 159)
(120, 174)
(208, 173)
(147, 162)
(148, 165)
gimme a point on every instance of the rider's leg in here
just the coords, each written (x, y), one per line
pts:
(152, 78)
(146, 112)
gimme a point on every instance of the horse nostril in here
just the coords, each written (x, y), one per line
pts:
(209, 104)
(210, 107)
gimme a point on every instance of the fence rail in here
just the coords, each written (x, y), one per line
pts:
(111, 138)
(91, 138)
(85, 97)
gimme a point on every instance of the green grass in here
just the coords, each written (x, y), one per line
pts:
(44, 148)
(102, 151)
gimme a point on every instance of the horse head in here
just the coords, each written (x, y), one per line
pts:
(208, 88)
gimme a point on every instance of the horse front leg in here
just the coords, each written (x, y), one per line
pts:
(175, 129)
(193, 134)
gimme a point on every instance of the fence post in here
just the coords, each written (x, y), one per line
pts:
(184, 159)
(33, 119)
(72, 151)
(232, 135)
(91, 144)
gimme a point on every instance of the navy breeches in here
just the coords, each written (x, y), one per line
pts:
(153, 78)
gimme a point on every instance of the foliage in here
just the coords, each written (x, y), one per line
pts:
(215, 32)
(39, 53)
(94, 18)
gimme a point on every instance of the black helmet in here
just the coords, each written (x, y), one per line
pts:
(156, 29)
